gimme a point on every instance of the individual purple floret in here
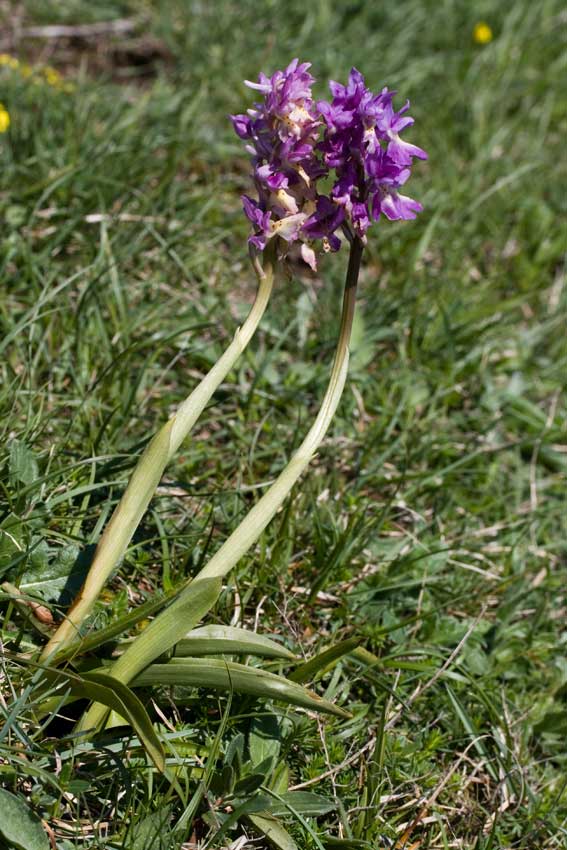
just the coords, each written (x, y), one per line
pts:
(327, 217)
(361, 142)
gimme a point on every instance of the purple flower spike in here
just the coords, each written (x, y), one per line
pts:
(360, 142)
(282, 132)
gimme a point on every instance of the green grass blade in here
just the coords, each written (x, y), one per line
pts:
(322, 662)
(186, 819)
(472, 732)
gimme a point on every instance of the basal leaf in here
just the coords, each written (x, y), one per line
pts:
(264, 738)
(227, 640)
(273, 830)
(303, 802)
(229, 676)
(102, 688)
(23, 463)
(157, 638)
(168, 627)
(19, 826)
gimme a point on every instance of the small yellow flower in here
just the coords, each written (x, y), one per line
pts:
(9, 61)
(107, 595)
(4, 118)
(482, 33)
(53, 77)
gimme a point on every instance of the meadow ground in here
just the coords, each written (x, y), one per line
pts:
(431, 525)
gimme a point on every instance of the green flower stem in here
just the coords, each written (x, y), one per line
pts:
(143, 650)
(147, 474)
(249, 530)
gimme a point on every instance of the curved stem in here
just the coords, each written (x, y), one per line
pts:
(260, 515)
(249, 530)
(147, 474)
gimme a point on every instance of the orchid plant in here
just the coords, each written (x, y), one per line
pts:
(298, 145)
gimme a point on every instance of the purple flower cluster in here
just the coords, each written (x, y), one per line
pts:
(360, 146)
(282, 133)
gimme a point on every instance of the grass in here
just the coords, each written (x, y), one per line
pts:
(432, 524)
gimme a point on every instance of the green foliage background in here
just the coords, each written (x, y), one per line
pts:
(432, 524)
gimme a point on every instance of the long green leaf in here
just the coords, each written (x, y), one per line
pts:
(297, 815)
(274, 831)
(117, 696)
(304, 802)
(227, 675)
(307, 671)
(19, 826)
(162, 633)
(220, 640)
(168, 628)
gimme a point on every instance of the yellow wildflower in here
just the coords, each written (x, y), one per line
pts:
(9, 61)
(52, 76)
(107, 595)
(4, 118)
(482, 33)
